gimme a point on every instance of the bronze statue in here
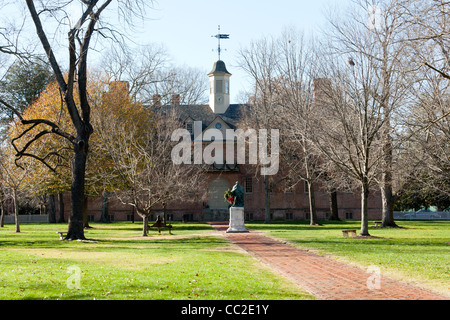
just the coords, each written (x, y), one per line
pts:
(238, 195)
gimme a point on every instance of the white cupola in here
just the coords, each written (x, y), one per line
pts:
(219, 88)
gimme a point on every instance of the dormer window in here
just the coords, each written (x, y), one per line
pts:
(189, 127)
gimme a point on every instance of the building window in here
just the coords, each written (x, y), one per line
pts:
(90, 217)
(348, 215)
(248, 185)
(169, 216)
(249, 216)
(227, 87)
(289, 216)
(111, 217)
(219, 86)
(188, 217)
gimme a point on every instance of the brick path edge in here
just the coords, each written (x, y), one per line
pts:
(323, 277)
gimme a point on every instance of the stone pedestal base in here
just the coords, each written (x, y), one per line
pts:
(237, 220)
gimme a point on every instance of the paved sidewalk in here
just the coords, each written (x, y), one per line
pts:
(323, 277)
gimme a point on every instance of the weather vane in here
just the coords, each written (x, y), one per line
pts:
(220, 36)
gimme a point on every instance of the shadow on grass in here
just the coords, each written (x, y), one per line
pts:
(137, 226)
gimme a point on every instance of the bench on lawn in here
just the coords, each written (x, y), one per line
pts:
(62, 235)
(168, 226)
(347, 231)
(377, 223)
(159, 224)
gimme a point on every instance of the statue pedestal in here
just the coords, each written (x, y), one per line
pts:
(237, 220)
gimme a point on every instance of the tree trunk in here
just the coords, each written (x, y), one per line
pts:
(364, 209)
(387, 197)
(85, 214)
(164, 212)
(266, 199)
(52, 218)
(75, 229)
(387, 200)
(61, 207)
(334, 209)
(16, 209)
(312, 205)
(387, 213)
(145, 225)
(105, 207)
(2, 210)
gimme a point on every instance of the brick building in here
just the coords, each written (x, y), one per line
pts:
(285, 203)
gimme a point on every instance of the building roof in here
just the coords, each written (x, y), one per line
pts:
(219, 67)
(202, 112)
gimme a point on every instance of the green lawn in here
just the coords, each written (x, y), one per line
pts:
(419, 252)
(193, 263)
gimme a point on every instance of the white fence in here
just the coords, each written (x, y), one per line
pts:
(24, 218)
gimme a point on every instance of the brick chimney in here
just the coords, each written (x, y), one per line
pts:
(322, 89)
(157, 100)
(175, 99)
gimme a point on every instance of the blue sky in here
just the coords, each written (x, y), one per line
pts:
(185, 28)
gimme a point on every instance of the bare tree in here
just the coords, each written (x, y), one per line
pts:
(429, 34)
(153, 79)
(377, 30)
(351, 122)
(13, 178)
(296, 95)
(259, 61)
(79, 36)
(427, 131)
(138, 142)
(139, 67)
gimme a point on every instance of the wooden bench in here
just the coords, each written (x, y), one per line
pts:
(62, 235)
(159, 224)
(168, 226)
(377, 223)
(347, 231)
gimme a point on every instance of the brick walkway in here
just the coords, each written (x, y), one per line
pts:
(325, 278)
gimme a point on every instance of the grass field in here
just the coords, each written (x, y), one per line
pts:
(419, 252)
(193, 263)
(196, 263)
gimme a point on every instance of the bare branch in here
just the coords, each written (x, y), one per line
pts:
(442, 73)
